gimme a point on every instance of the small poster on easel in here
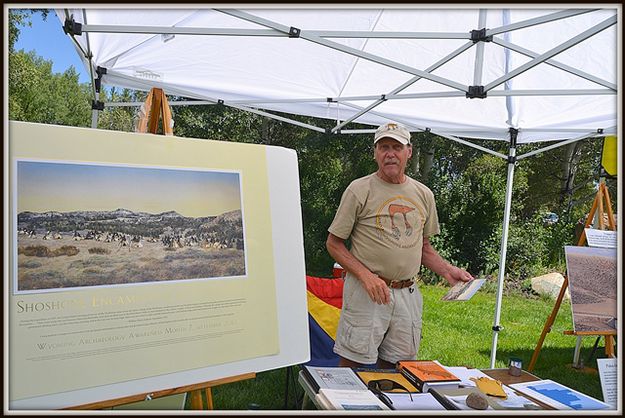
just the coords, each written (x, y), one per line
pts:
(592, 281)
(600, 238)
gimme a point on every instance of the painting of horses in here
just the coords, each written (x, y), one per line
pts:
(78, 224)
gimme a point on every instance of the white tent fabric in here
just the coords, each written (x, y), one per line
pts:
(516, 74)
(298, 75)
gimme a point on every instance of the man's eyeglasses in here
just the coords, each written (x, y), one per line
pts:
(386, 385)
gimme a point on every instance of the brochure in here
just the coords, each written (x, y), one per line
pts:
(464, 290)
(559, 396)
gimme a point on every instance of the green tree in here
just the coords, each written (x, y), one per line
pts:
(37, 94)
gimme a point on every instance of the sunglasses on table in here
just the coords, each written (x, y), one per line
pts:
(386, 385)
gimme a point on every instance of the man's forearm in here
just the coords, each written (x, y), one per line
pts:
(433, 261)
(374, 286)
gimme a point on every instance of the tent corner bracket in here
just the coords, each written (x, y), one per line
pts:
(476, 92)
(71, 27)
(100, 71)
(97, 105)
(479, 35)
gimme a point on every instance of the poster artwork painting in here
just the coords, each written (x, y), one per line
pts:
(93, 225)
(592, 282)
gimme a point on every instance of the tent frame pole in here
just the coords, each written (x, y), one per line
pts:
(504, 244)
(345, 34)
(537, 21)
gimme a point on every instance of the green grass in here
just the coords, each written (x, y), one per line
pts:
(458, 334)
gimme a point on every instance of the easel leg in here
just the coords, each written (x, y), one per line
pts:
(197, 403)
(576, 355)
(548, 325)
(209, 399)
(609, 346)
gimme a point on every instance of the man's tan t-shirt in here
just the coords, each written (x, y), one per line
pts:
(386, 223)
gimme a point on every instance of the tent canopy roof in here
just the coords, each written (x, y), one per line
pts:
(551, 74)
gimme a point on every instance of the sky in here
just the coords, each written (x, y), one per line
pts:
(63, 187)
(49, 41)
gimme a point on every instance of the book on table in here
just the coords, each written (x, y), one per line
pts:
(426, 374)
(343, 378)
(350, 399)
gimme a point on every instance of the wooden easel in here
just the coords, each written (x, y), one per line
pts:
(195, 392)
(604, 205)
(155, 105)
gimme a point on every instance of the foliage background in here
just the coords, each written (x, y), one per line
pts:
(469, 185)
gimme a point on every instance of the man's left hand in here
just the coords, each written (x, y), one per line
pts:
(457, 275)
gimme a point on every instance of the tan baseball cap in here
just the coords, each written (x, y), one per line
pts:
(392, 130)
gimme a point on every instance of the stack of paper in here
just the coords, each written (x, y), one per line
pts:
(418, 401)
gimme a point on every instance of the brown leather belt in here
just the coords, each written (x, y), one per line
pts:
(397, 284)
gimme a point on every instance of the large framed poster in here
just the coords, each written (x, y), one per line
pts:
(141, 262)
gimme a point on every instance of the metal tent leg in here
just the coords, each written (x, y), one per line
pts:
(504, 245)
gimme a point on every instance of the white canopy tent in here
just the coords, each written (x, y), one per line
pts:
(520, 75)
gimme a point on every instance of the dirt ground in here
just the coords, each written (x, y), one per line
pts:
(592, 281)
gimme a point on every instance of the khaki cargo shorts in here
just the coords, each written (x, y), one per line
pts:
(368, 331)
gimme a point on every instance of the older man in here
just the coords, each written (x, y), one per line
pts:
(389, 218)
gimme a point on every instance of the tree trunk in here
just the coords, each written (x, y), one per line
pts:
(570, 163)
(415, 163)
(427, 150)
(264, 129)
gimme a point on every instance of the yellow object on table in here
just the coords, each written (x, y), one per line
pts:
(490, 387)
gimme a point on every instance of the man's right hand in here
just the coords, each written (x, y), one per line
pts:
(376, 288)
